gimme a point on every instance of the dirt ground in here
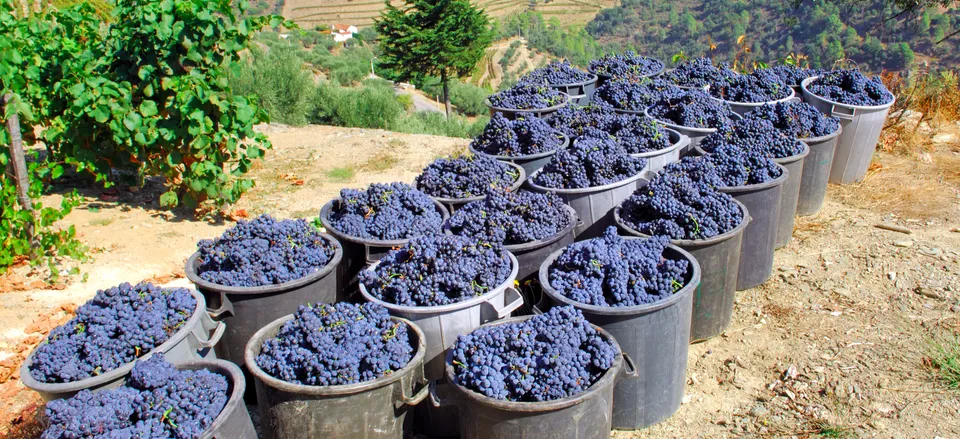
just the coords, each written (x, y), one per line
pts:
(836, 344)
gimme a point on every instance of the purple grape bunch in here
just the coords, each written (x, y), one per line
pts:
(264, 251)
(759, 86)
(157, 402)
(437, 270)
(575, 121)
(117, 326)
(556, 355)
(794, 75)
(336, 345)
(611, 271)
(511, 218)
(594, 160)
(852, 88)
(759, 134)
(466, 177)
(742, 166)
(693, 109)
(525, 135)
(556, 73)
(385, 211)
(527, 97)
(700, 72)
(680, 207)
(635, 93)
(798, 120)
(625, 64)
(639, 135)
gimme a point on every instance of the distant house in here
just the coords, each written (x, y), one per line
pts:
(342, 32)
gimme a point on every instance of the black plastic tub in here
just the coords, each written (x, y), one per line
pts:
(719, 259)
(452, 204)
(696, 135)
(531, 254)
(760, 237)
(360, 252)
(372, 409)
(790, 195)
(655, 336)
(532, 162)
(234, 420)
(194, 341)
(583, 416)
(581, 93)
(512, 113)
(816, 173)
(245, 310)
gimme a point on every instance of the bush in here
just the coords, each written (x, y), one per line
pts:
(348, 67)
(430, 122)
(362, 107)
(278, 78)
(467, 98)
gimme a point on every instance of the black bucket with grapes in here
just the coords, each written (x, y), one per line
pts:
(527, 100)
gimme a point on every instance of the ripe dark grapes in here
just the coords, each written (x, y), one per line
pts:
(699, 72)
(335, 345)
(551, 356)
(575, 121)
(511, 218)
(556, 73)
(465, 177)
(625, 64)
(754, 133)
(385, 211)
(527, 97)
(438, 270)
(852, 88)
(798, 120)
(157, 402)
(637, 134)
(264, 251)
(114, 328)
(740, 166)
(612, 271)
(594, 160)
(635, 93)
(525, 135)
(793, 75)
(693, 109)
(677, 206)
(759, 86)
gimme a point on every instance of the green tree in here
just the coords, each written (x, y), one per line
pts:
(443, 38)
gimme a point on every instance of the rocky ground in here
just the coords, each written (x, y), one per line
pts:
(841, 342)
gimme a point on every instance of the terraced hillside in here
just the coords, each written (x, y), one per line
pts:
(312, 13)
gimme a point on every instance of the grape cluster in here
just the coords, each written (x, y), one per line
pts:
(551, 356)
(527, 97)
(699, 72)
(594, 160)
(697, 169)
(114, 328)
(438, 270)
(335, 345)
(798, 120)
(625, 64)
(576, 121)
(465, 177)
(759, 86)
(677, 206)
(157, 402)
(693, 109)
(556, 73)
(635, 93)
(852, 88)
(639, 134)
(511, 218)
(385, 211)
(793, 75)
(263, 251)
(741, 166)
(525, 135)
(759, 134)
(614, 272)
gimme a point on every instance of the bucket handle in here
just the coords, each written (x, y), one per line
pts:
(417, 398)
(214, 338)
(508, 307)
(435, 397)
(226, 306)
(841, 114)
(629, 367)
(794, 100)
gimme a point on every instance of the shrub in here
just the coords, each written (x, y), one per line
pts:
(434, 123)
(362, 107)
(278, 78)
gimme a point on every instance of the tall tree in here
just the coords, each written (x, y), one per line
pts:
(440, 38)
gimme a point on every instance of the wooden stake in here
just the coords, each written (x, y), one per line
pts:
(18, 164)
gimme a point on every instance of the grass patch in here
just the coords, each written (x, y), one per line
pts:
(306, 213)
(343, 174)
(945, 359)
(825, 430)
(380, 162)
(103, 222)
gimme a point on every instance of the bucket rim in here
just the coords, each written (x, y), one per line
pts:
(680, 128)
(564, 143)
(521, 177)
(686, 290)
(684, 243)
(123, 370)
(881, 107)
(235, 379)
(327, 209)
(758, 186)
(658, 152)
(754, 105)
(607, 379)
(203, 284)
(796, 157)
(576, 84)
(585, 190)
(531, 110)
(443, 309)
(254, 346)
(823, 139)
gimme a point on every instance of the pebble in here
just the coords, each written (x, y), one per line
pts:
(903, 244)
(931, 251)
(892, 275)
(759, 410)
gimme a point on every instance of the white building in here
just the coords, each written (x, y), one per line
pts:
(342, 32)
